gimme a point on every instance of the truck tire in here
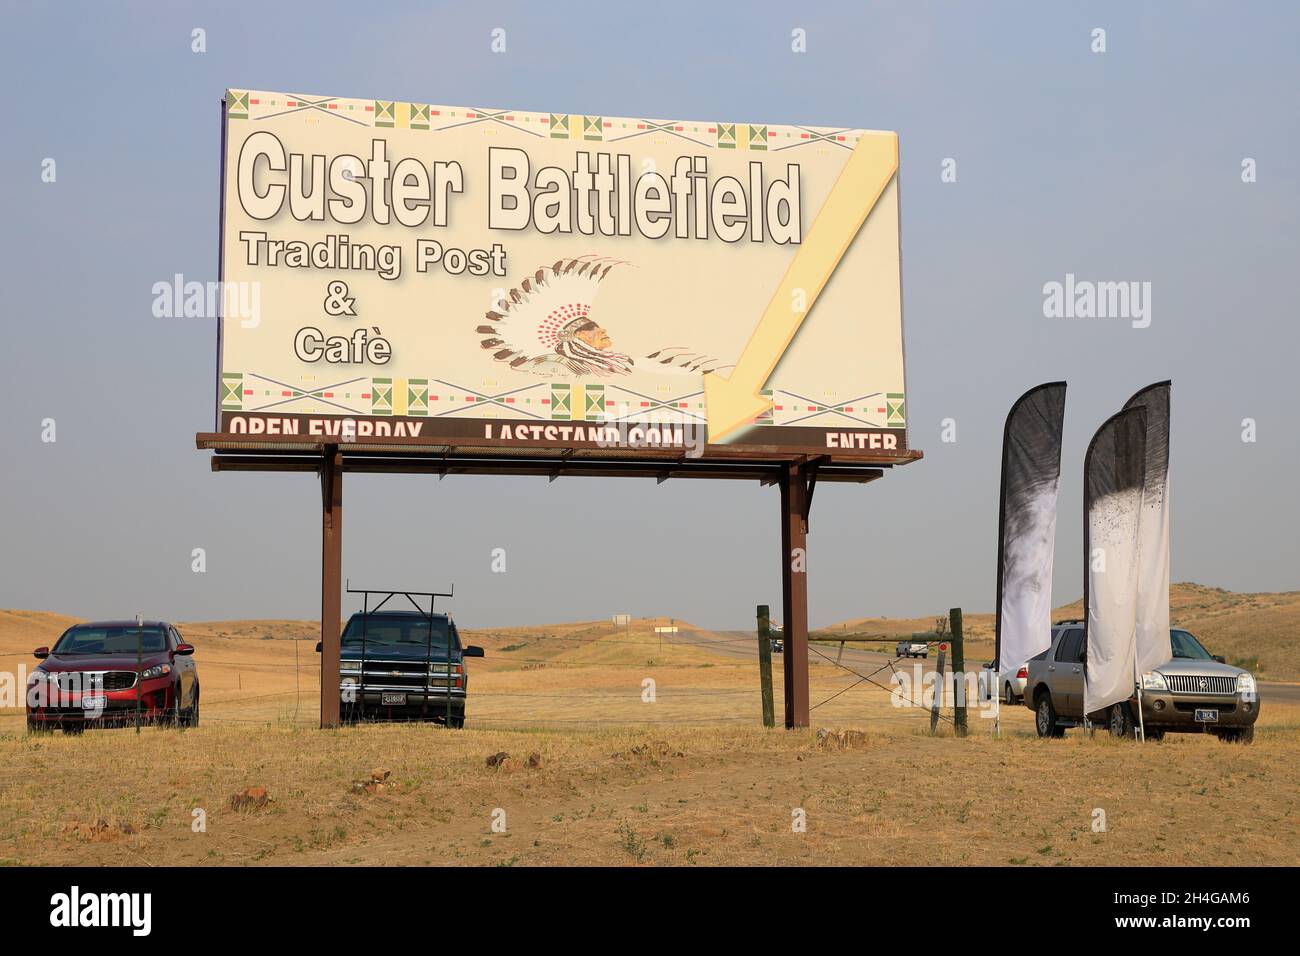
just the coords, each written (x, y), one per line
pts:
(1120, 720)
(1237, 735)
(1045, 717)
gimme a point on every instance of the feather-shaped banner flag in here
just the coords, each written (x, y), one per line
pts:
(1153, 647)
(1031, 472)
(1114, 470)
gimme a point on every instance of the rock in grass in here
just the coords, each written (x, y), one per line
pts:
(250, 798)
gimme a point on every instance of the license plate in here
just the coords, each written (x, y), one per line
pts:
(1207, 716)
(93, 701)
(391, 699)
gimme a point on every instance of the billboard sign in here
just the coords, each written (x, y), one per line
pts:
(521, 281)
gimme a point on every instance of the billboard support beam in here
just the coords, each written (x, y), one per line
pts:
(795, 499)
(796, 479)
(331, 584)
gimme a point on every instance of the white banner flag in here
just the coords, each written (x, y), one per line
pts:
(1153, 648)
(1113, 473)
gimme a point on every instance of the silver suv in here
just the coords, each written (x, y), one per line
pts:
(1194, 692)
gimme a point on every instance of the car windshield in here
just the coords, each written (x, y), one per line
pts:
(1187, 647)
(390, 631)
(124, 639)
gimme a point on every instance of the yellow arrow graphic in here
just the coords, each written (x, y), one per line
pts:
(733, 402)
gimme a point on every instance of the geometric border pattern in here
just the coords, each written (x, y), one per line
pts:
(253, 105)
(541, 399)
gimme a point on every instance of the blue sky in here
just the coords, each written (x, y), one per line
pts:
(1123, 165)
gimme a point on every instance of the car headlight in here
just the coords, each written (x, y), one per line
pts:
(158, 670)
(1154, 680)
(1246, 685)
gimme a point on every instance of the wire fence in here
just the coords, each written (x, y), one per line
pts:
(668, 695)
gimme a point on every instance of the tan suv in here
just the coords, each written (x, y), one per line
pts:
(1195, 692)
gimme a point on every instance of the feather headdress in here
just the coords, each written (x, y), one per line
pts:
(545, 326)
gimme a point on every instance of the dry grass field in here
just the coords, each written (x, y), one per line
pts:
(690, 778)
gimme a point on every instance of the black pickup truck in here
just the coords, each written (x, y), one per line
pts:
(403, 665)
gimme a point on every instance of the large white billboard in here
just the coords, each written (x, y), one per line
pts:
(518, 280)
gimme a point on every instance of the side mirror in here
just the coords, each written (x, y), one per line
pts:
(318, 647)
(473, 651)
(41, 653)
(184, 649)
(1219, 658)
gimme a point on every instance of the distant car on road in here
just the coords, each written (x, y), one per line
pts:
(98, 674)
(403, 665)
(1193, 692)
(1008, 684)
(912, 647)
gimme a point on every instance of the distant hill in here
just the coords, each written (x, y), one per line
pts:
(1260, 632)
(1257, 631)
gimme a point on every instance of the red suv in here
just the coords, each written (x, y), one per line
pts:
(105, 672)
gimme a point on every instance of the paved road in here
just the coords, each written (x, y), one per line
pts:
(745, 644)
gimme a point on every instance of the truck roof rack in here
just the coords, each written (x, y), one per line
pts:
(1071, 620)
(410, 596)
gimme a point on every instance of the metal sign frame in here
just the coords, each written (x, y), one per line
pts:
(796, 480)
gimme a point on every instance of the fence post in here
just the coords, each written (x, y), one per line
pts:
(938, 692)
(958, 671)
(765, 665)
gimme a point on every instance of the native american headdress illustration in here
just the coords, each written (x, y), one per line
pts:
(545, 326)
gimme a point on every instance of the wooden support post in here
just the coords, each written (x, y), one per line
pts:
(765, 664)
(938, 692)
(958, 672)
(331, 583)
(794, 593)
